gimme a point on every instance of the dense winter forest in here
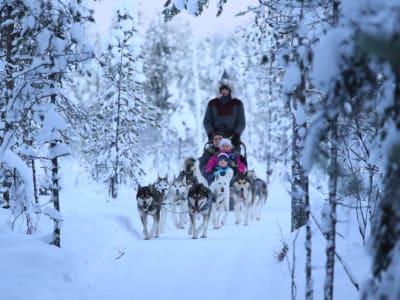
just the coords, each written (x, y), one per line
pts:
(320, 81)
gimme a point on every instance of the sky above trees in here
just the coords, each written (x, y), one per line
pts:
(206, 24)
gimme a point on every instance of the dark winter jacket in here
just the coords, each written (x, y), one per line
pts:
(203, 160)
(225, 115)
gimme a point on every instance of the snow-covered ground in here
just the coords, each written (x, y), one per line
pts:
(104, 256)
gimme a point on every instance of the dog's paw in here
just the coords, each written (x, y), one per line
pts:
(204, 236)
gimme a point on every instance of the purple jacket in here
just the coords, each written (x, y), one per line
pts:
(212, 162)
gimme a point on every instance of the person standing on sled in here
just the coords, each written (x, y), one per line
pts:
(225, 114)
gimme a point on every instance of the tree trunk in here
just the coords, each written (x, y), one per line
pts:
(331, 231)
(309, 281)
(299, 178)
(55, 198)
(55, 189)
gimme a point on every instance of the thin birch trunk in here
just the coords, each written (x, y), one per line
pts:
(331, 232)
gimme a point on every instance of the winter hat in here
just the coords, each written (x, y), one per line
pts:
(223, 156)
(225, 82)
(224, 87)
(225, 142)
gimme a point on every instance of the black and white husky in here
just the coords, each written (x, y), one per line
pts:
(149, 204)
(177, 201)
(259, 192)
(162, 187)
(242, 198)
(220, 203)
(199, 204)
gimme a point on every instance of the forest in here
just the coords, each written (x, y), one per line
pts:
(320, 82)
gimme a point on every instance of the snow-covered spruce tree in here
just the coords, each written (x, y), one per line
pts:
(121, 112)
(60, 47)
(45, 42)
(12, 14)
(170, 86)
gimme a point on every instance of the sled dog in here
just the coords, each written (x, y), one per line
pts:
(177, 200)
(149, 204)
(162, 186)
(259, 193)
(220, 202)
(191, 172)
(242, 198)
(199, 204)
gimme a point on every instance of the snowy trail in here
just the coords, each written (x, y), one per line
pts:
(232, 263)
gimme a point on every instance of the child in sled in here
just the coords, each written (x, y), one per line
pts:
(233, 160)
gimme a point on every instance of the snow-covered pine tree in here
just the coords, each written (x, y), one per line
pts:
(61, 46)
(121, 113)
(170, 87)
(44, 39)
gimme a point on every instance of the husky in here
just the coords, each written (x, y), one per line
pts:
(199, 204)
(242, 197)
(259, 193)
(177, 199)
(149, 204)
(191, 172)
(221, 193)
(162, 186)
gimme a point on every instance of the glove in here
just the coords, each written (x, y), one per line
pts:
(236, 139)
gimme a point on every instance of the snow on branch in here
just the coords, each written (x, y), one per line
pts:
(13, 161)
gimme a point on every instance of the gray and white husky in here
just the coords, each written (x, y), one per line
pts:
(199, 204)
(162, 186)
(177, 201)
(149, 204)
(220, 203)
(259, 192)
(242, 198)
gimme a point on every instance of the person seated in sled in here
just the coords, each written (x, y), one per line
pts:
(221, 167)
(209, 151)
(225, 114)
(225, 146)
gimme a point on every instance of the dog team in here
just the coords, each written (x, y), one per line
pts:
(202, 197)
